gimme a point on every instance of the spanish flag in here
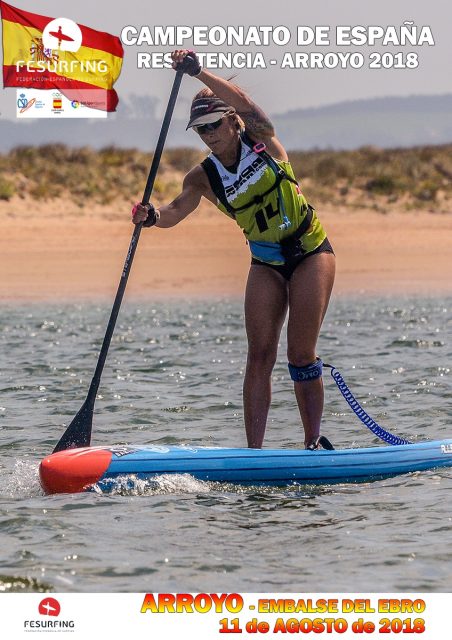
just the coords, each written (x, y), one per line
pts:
(43, 53)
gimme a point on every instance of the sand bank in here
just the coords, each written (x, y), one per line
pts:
(79, 255)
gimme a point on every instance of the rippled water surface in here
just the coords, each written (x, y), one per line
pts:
(174, 376)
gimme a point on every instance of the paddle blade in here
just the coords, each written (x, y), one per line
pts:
(78, 433)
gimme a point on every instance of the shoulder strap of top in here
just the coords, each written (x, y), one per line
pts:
(216, 184)
(260, 149)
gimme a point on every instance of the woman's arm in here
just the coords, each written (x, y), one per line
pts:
(258, 125)
(186, 202)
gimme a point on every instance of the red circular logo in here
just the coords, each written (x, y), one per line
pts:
(49, 607)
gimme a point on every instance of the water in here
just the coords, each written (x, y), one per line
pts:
(174, 376)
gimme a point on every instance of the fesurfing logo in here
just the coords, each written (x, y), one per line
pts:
(49, 607)
(63, 34)
(45, 53)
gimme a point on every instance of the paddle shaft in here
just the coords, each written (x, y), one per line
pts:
(136, 235)
(78, 433)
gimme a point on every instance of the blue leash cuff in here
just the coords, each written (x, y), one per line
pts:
(307, 373)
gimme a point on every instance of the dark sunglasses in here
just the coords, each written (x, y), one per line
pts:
(207, 128)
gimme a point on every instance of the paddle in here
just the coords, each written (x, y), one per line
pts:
(78, 433)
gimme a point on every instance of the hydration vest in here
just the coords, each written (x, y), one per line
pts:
(264, 198)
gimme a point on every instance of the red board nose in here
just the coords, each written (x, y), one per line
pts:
(73, 470)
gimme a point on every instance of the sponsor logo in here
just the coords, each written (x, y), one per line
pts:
(58, 36)
(38, 103)
(446, 448)
(49, 607)
(24, 104)
(22, 101)
(255, 167)
(49, 610)
(119, 452)
(62, 34)
(201, 106)
(57, 102)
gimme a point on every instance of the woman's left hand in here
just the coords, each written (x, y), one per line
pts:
(187, 61)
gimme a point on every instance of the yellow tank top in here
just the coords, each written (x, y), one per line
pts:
(260, 214)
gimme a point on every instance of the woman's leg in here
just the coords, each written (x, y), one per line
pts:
(265, 310)
(309, 293)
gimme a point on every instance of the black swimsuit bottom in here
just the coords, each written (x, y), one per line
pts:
(286, 270)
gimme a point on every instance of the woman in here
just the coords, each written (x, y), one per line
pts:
(248, 177)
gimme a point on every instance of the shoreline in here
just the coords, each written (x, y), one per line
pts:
(49, 257)
(107, 302)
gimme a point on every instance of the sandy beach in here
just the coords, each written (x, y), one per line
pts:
(46, 255)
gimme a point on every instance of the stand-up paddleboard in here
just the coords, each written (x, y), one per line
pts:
(75, 470)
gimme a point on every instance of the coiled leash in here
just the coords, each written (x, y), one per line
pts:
(365, 418)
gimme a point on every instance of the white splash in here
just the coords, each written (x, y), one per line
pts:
(23, 482)
(131, 485)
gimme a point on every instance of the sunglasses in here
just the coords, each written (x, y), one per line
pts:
(207, 128)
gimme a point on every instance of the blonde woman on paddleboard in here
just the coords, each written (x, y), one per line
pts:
(249, 178)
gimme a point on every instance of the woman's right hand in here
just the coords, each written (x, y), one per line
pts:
(144, 213)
